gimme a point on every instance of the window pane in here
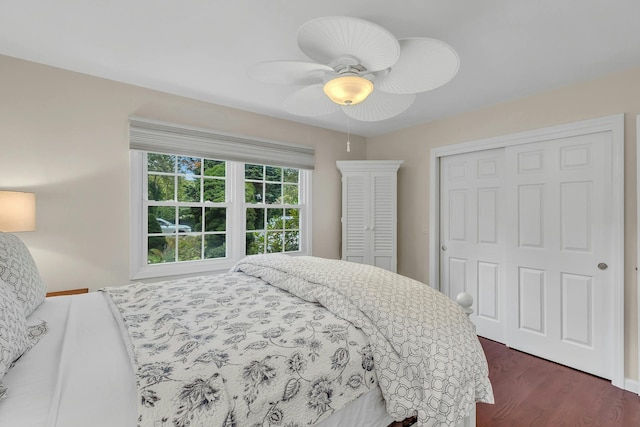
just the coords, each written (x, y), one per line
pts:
(161, 163)
(253, 172)
(189, 248)
(160, 219)
(215, 246)
(274, 241)
(255, 219)
(189, 165)
(214, 190)
(292, 219)
(188, 189)
(255, 243)
(161, 188)
(274, 219)
(215, 219)
(253, 192)
(273, 193)
(292, 241)
(290, 175)
(161, 249)
(273, 174)
(190, 219)
(214, 168)
(153, 226)
(290, 194)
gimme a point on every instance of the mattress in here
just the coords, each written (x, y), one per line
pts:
(80, 374)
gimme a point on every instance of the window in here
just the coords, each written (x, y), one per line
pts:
(272, 210)
(186, 208)
(193, 213)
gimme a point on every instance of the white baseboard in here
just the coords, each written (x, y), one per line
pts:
(631, 385)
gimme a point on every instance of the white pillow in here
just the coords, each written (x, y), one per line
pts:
(14, 335)
(18, 270)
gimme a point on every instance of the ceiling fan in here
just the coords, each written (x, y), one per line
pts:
(359, 67)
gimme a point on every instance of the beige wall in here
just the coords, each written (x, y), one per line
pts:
(64, 136)
(618, 93)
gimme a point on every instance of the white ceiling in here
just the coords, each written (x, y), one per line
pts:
(202, 49)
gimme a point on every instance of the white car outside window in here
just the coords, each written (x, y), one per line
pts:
(168, 227)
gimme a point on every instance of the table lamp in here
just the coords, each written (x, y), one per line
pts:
(17, 211)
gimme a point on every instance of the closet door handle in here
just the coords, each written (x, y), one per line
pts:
(603, 266)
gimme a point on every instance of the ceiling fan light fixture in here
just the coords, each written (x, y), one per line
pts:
(348, 90)
(348, 54)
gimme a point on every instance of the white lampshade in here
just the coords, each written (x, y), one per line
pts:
(17, 211)
(348, 90)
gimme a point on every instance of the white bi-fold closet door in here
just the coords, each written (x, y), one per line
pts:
(526, 229)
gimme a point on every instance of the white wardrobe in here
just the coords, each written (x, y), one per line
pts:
(369, 212)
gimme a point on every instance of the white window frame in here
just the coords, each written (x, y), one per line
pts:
(236, 221)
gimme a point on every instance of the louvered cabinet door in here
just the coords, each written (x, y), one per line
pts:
(369, 213)
(382, 221)
(355, 217)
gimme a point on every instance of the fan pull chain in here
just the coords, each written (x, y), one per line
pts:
(348, 134)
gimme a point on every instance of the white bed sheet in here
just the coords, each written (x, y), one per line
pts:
(80, 375)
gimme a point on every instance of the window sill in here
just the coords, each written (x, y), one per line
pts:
(183, 268)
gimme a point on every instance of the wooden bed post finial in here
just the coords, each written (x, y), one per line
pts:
(466, 301)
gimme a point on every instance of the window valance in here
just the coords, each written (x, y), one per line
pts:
(155, 136)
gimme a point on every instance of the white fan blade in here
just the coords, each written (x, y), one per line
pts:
(424, 64)
(310, 101)
(379, 106)
(289, 72)
(330, 38)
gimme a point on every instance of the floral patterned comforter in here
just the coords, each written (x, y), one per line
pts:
(427, 357)
(231, 350)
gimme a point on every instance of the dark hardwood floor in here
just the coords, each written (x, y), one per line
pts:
(534, 392)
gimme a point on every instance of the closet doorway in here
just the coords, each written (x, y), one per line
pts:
(531, 225)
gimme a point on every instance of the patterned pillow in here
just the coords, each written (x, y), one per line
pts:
(14, 335)
(19, 271)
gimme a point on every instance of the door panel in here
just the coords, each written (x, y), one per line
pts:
(575, 219)
(357, 210)
(531, 301)
(531, 216)
(577, 313)
(383, 224)
(458, 215)
(471, 253)
(488, 216)
(383, 221)
(562, 210)
(457, 275)
(488, 291)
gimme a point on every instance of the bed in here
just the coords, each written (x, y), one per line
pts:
(277, 341)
